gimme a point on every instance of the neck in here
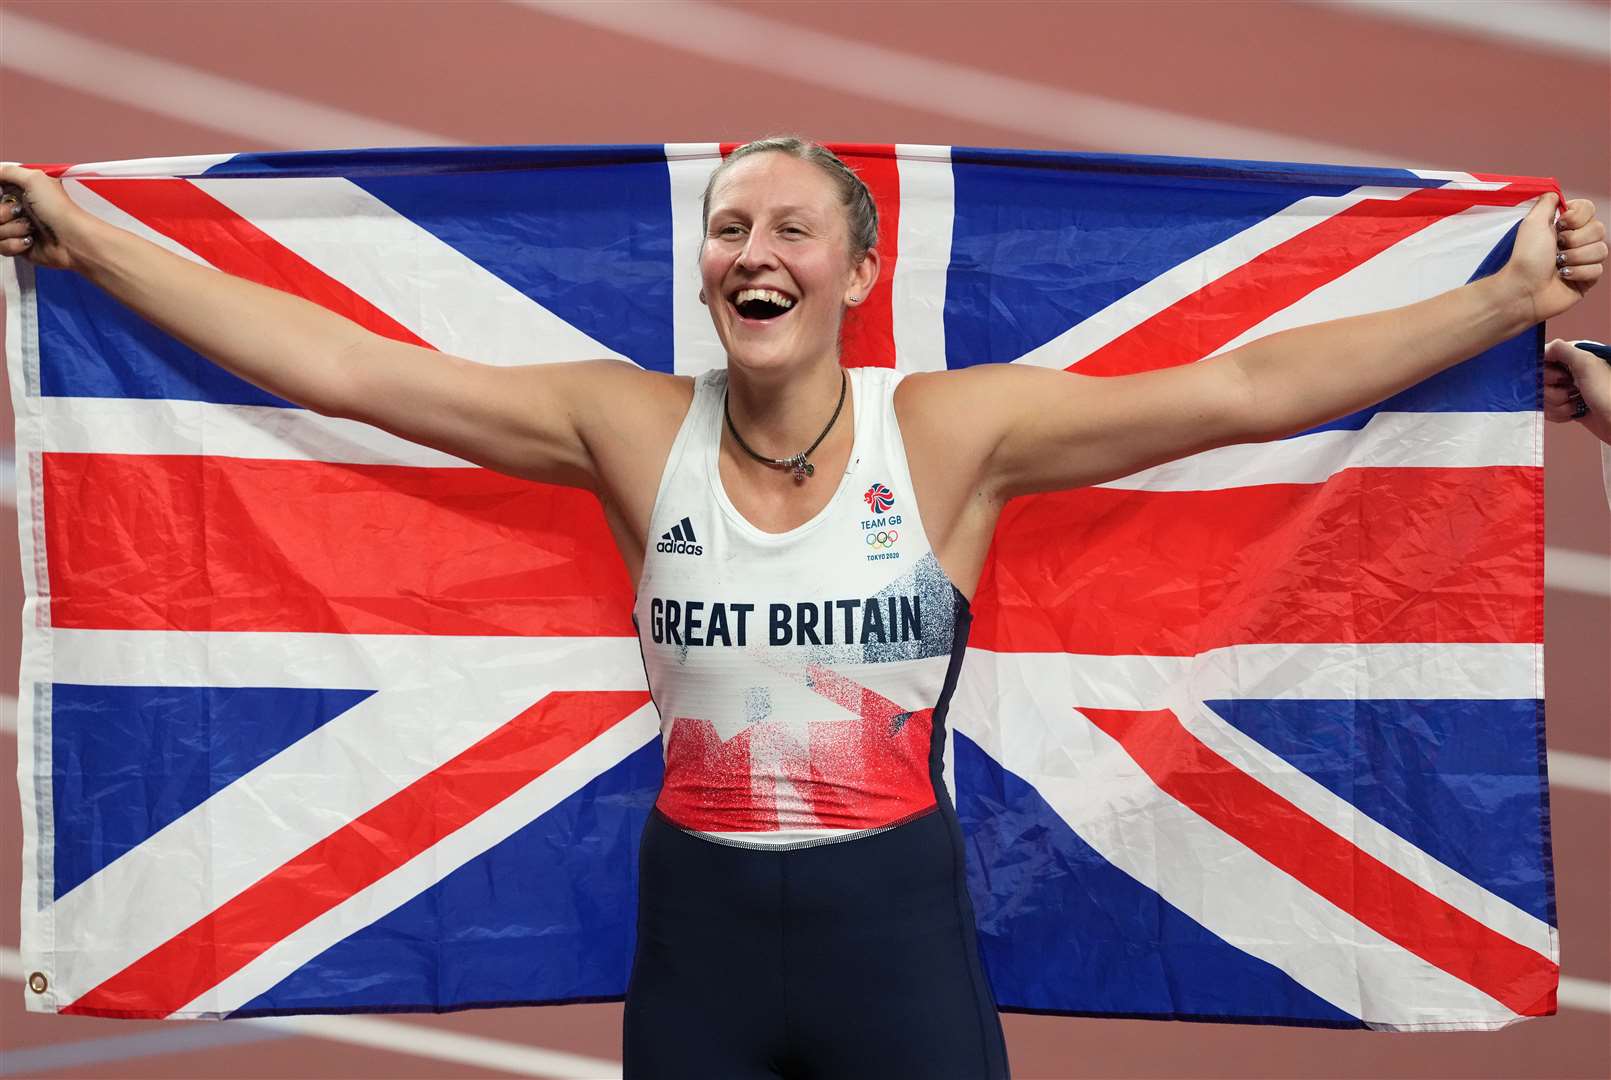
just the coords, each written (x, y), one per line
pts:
(781, 415)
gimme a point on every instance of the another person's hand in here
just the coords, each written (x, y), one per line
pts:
(1577, 386)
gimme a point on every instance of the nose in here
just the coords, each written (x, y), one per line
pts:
(758, 252)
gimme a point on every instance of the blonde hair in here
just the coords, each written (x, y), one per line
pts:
(860, 209)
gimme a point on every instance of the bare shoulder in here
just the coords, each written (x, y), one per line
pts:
(946, 424)
(627, 419)
(962, 414)
(956, 386)
(1016, 429)
(626, 414)
(603, 383)
(536, 421)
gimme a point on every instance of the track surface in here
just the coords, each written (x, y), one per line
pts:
(1509, 88)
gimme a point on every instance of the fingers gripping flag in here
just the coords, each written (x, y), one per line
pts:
(317, 719)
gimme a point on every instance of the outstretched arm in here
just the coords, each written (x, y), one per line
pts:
(1044, 430)
(530, 421)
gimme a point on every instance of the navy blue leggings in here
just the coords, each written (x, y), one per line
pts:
(848, 960)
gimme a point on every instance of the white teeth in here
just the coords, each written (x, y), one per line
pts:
(769, 295)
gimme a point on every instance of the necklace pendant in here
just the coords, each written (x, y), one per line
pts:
(802, 467)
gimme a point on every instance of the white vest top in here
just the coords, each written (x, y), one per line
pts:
(802, 678)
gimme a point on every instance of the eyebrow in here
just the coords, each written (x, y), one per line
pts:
(782, 211)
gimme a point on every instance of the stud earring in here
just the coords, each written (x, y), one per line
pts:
(855, 299)
(701, 296)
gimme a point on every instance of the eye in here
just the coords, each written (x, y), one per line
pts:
(730, 230)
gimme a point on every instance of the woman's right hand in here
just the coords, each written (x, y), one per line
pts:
(37, 219)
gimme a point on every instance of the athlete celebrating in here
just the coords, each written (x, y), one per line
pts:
(805, 540)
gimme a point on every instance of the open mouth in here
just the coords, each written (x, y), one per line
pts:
(762, 304)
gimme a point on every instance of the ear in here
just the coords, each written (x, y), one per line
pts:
(864, 276)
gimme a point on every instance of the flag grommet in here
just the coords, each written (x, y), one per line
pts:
(37, 982)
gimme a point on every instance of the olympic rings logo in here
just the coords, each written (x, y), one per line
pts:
(883, 538)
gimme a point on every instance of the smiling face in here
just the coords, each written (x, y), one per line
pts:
(776, 264)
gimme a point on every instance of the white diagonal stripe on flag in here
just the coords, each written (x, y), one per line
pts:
(1429, 262)
(1181, 281)
(1101, 793)
(92, 201)
(1364, 832)
(1346, 962)
(219, 848)
(384, 257)
(391, 740)
(1459, 181)
(431, 865)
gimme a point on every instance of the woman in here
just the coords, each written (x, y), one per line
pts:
(804, 542)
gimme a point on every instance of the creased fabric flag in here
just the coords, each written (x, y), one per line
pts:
(313, 719)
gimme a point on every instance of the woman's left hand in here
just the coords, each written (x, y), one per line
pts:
(1554, 266)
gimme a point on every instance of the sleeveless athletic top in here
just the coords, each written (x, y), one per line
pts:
(802, 678)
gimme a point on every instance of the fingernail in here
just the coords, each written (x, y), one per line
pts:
(27, 241)
(1560, 260)
(1566, 271)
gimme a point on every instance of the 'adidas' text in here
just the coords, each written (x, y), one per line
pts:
(679, 540)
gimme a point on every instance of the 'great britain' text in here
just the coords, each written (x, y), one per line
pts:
(882, 619)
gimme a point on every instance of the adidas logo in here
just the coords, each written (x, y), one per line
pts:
(680, 540)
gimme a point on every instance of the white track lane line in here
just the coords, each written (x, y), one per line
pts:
(91, 66)
(1577, 571)
(1579, 772)
(738, 36)
(79, 1055)
(1579, 30)
(742, 37)
(1584, 994)
(402, 1037)
(728, 35)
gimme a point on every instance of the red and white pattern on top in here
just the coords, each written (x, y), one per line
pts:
(779, 775)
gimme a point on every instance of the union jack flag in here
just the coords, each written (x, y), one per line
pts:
(315, 719)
